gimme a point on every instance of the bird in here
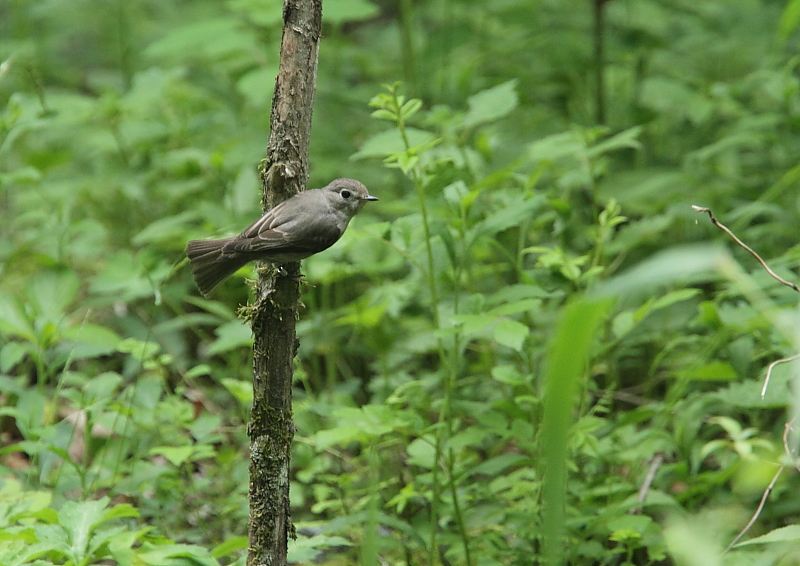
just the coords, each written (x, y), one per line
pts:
(307, 223)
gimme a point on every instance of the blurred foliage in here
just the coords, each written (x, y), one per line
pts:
(437, 364)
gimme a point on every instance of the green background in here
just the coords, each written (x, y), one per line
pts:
(493, 356)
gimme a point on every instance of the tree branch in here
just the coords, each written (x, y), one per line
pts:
(284, 172)
(758, 510)
(787, 428)
(745, 247)
(771, 367)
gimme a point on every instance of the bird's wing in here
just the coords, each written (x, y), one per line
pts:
(288, 229)
(273, 218)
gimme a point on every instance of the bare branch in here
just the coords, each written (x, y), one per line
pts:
(791, 454)
(789, 425)
(655, 464)
(760, 508)
(747, 248)
(771, 366)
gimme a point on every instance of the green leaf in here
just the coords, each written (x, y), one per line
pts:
(421, 452)
(101, 388)
(342, 11)
(121, 511)
(675, 99)
(789, 533)
(79, 519)
(566, 360)
(410, 108)
(511, 333)
(678, 264)
(139, 349)
(746, 394)
(121, 277)
(711, 371)
(516, 307)
(384, 114)
(257, 86)
(626, 139)
(11, 354)
(230, 336)
(671, 298)
(229, 546)
(391, 142)
(52, 292)
(305, 550)
(167, 229)
(176, 455)
(198, 370)
(175, 555)
(626, 321)
(359, 425)
(790, 18)
(556, 147)
(13, 320)
(17, 503)
(242, 391)
(499, 464)
(214, 307)
(31, 412)
(509, 374)
(21, 552)
(218, 38)
(623, 323)
(509, 216)
(266, 13)
(91, 340)
(491, 104)
(637, 524)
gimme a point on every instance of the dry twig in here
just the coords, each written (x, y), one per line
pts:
(760, 507)
(747, 248)
(767, 268)
(771, 366)
(790, 424)
(791, 454)
(655, 464)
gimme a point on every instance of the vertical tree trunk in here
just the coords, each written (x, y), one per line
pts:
(284, 172)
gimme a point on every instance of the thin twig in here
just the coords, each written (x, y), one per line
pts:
(655, 464)
(747, 248)
(789, 425)
(771, 366)
(787, 428)
(760, 507)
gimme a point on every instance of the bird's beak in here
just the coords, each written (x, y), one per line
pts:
(370, 198)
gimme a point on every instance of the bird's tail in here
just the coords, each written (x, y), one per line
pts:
(209, 266)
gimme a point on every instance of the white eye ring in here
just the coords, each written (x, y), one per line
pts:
(345, 194)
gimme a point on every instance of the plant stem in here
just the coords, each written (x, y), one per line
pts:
(450, 365)
(599, 60)
(407, 39)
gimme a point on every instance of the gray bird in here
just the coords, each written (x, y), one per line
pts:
(309, 222)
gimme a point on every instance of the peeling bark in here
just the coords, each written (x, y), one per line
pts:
(284, 172)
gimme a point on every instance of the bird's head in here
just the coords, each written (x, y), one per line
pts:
(347, 195)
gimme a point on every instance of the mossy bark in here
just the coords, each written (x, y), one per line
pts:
(284, 172)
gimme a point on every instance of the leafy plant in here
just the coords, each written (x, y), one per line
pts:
(435, 423)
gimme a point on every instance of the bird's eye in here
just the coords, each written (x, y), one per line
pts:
(345, 194)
